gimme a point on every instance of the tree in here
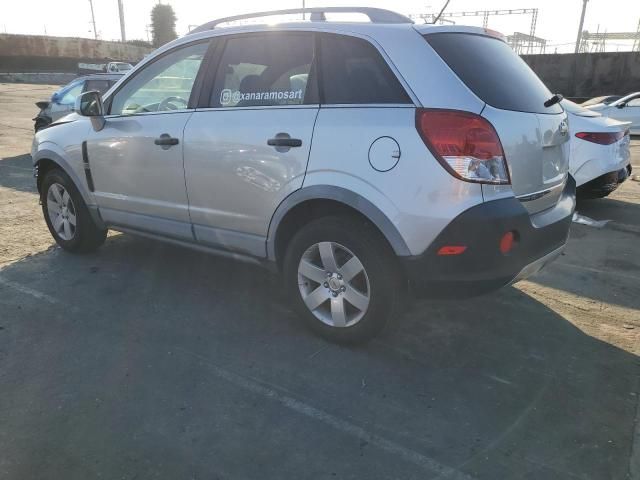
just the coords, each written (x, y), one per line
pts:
(163, 24)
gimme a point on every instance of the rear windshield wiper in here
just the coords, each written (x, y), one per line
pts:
(557, 98)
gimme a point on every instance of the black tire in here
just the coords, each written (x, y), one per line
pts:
(385, 284)
(87, 236)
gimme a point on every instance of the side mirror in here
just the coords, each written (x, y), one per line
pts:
(89, 104)
(55, 97)
(621, 105)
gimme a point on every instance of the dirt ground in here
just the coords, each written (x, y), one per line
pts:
(148, 361)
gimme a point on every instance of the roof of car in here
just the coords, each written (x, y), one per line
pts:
(316, 14)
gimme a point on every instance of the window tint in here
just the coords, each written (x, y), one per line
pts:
(164, 85)
(353, 72)
(69, 96)
(493, 71)
(258, 70)
(97, 85)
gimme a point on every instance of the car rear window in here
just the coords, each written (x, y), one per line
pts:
(493, 71)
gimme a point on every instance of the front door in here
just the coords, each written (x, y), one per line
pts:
(248, 149)
(136, 160)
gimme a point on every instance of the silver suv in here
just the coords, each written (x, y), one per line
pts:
(362, 160)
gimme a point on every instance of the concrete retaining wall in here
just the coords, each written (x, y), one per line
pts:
(588, 75)
(584, 75)
(36, 53)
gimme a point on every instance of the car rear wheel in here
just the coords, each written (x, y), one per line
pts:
(343, 279)
(67, 215)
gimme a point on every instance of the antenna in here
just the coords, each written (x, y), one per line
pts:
(437, 17)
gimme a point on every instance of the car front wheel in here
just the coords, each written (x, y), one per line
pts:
(67, 215)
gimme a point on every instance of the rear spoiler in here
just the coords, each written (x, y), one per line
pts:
(427, 28)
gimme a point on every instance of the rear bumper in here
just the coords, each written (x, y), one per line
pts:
(604, 184)
(482, 267)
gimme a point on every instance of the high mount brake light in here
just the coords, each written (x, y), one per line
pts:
(465, 144)
(601, 138)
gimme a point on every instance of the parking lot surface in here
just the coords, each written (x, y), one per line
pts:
(145, 360)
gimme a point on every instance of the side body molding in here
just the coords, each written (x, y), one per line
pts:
(342, 195)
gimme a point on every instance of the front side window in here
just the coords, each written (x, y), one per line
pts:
(354, 72)
(164, 85)
(265, 70)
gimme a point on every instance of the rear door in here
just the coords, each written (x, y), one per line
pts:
(247, 148)
(534, 137)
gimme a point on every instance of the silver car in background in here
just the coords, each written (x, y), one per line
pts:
(362, 161)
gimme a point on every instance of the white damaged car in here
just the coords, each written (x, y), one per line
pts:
(599, 151)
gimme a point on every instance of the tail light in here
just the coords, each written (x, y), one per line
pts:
(601, 138)
(465, 144)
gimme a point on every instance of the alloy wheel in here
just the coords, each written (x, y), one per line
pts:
(334, 284)
(62, 211)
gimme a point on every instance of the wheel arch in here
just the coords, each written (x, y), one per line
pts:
(319, 200)
(47, 159)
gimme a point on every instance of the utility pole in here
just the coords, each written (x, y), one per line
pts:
(93, 20)
(579, 39)
(121, 11)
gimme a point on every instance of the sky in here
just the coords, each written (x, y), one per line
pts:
(557, 19)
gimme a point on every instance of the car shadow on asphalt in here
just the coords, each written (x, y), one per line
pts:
(17, 173)
(601, 264)
(619, 211)
(129, 356)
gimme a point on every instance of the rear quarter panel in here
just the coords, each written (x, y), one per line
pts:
(418, 196)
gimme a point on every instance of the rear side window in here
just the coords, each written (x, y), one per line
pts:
(265, 70)
(493, 71)
(354, 72)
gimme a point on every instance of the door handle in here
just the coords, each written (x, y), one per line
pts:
(284, 140)
(165, 141)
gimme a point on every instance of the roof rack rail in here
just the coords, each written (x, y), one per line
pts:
(376, 15)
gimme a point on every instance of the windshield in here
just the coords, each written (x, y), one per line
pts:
(627, 98)
(493, 71)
